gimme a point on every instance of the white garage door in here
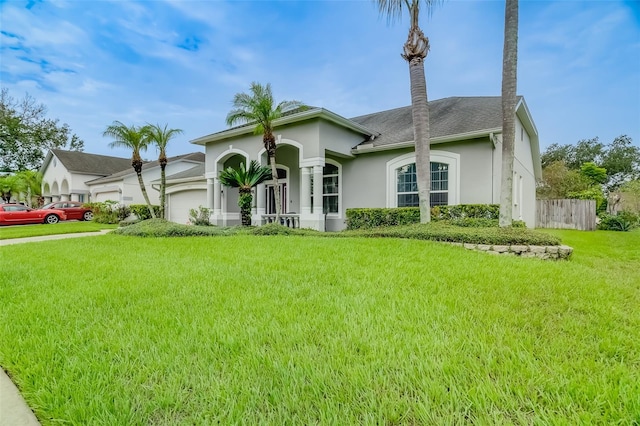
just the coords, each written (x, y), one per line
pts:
(181, 202)
(106, 196)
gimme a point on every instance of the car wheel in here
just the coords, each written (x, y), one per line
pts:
(87, 216)
(51, 219)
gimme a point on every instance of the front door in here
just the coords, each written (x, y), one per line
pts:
(271, 198)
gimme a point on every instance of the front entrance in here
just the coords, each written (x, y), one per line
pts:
(284, 195)
(271, 198)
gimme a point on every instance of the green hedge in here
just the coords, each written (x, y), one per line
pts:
(142, 211)
(375, 217)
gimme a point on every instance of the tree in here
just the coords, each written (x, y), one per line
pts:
(509, 97)
(415, 51)
(259, 108)
(620, 158)
(25, 185)
(26, 135)
(244, 179)
(160, 136)
(136, 139)
(10, 187)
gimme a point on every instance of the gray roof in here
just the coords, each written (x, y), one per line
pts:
(197, 157)
(194, 172)
(447, 117)
(91, 164)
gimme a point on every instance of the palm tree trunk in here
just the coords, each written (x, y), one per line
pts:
(415, 51)
(144, 194)
(509, 87)
(163, 186)
(270, 145)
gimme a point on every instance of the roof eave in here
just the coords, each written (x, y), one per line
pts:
(363, 149)
(289, 119)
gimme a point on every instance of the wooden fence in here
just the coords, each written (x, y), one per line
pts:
(566, 214)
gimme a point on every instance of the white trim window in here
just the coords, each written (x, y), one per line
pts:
(402, 184)
(330, 189)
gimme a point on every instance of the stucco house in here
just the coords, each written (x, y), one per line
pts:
(328, 163)
(79, 176)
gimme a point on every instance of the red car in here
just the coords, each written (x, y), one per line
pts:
(73, 209)
(18, 214)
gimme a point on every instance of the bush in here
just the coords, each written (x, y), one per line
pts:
(164, 228)
(142, 211)
(105, 212)
(375, 217)
(449, 233)
(200, 216)
(623, 221)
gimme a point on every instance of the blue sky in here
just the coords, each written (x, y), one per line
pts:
(181, 62)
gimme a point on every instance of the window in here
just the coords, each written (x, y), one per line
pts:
(330, 188)
(407, 188)
(439, 184)
(402, 182)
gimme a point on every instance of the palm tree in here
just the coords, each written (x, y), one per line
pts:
(32, 184)
(10, 187)
(259, 108)
(134, 138)
(245, 179)
(160, 136)
(415, 51)
(509, 87)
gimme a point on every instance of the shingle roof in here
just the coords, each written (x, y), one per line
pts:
(194, 172)
(91, 164)
(197, 157)
(449, 116)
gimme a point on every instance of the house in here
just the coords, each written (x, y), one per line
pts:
(123, 186)
(328, 164)
(79, 176)
(65, 173)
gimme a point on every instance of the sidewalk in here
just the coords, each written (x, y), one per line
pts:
(51, 237)
(14, 411)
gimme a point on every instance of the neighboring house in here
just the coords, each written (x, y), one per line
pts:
(78, 176)
(124, 187)
(65, 173)
(327, 163)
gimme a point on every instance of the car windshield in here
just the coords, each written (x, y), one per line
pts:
(47, 206)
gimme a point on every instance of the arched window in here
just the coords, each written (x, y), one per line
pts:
(402, 183)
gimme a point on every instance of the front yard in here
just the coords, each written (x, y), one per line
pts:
(308, 330)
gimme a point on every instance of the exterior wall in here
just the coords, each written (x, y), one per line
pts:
(69, 185)
(524, 182)
(129, 187)
(337, 139)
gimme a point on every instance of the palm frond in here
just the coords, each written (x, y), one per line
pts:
(245, 178)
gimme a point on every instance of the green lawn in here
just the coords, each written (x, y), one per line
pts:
(309, 330)
(22, 231)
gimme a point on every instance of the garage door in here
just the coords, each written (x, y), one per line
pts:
(179, 203)
(106, 196)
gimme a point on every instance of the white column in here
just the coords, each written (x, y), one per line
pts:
(261, 199)
(210, 193)
(216, 196)
(305, 190)
(317, 189)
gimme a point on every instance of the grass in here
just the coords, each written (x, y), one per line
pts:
(289, 330)
(72, 227)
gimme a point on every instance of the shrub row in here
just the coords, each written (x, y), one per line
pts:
(450, 233)
(142, 211)
(164, 228)
(432, 231)
(375, 217)
(623, 221)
